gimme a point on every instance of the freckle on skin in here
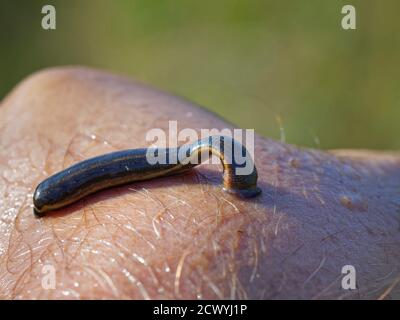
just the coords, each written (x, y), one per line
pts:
(345, 201)
(295, 163)
(354, 203)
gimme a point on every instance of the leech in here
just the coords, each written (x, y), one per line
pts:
(122, 167)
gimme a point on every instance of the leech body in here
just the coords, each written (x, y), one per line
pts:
(122, 167)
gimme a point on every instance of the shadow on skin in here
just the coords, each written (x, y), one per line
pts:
(204, 177)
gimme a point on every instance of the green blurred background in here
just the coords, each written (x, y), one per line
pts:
(285, 68)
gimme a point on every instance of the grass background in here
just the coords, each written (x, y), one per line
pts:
(279, 65)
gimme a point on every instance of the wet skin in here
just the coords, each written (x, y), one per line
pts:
(182, 236)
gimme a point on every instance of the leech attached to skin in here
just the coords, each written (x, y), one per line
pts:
(122, 167)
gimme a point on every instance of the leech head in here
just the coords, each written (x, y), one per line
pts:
(41, 199)
(49, 194)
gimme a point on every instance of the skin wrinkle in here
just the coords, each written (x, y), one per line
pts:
(390, 288)
(69, 152)
(221, 261)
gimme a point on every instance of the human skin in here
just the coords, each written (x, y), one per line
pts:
(182, 236)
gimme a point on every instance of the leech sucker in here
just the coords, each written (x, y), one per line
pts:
(122, 167)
